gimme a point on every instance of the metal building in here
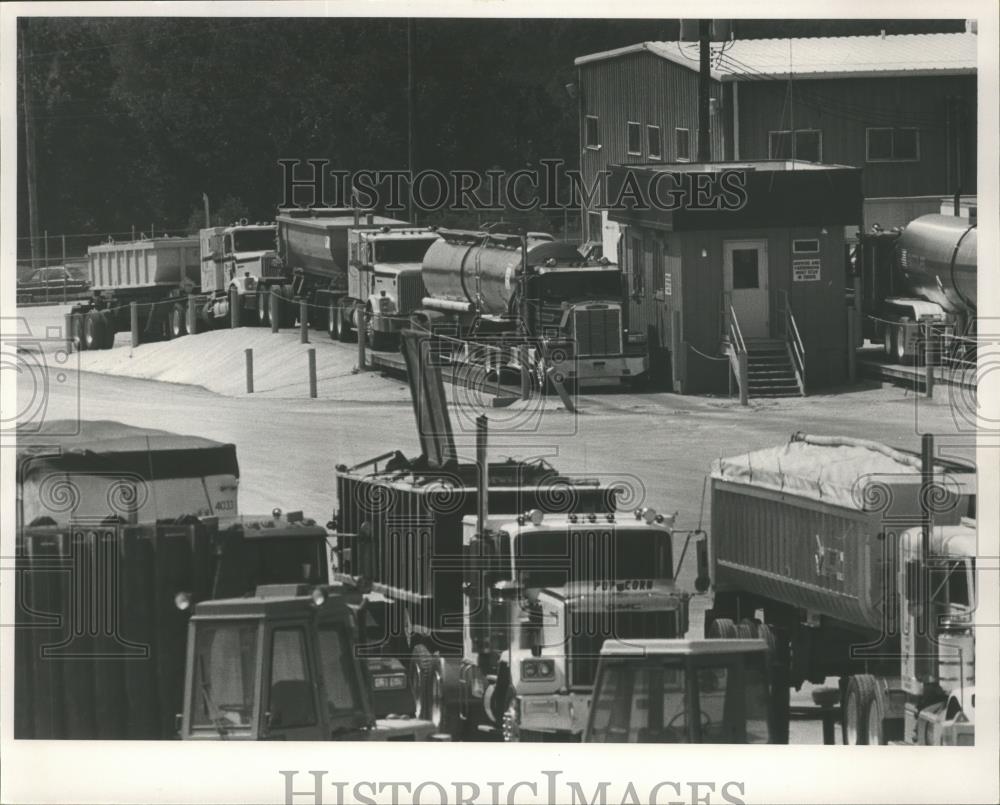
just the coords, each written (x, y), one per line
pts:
(901, 107)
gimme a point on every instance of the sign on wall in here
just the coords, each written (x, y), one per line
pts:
(805, 270)
(668, 283)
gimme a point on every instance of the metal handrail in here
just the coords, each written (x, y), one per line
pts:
(738, 354)
(796, 347)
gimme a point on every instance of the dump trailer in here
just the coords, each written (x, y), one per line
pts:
(239, 264)
(282, 664)
(116, 537)
(925, 273)
(502, 579)
(682, 691)
(498, 287)
(817, 546)
(313, 247)
(155, 273)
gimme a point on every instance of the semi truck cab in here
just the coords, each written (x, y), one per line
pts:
(240, 258)
(384, 276)
(282, 665)
(542, 594)
(681, 691)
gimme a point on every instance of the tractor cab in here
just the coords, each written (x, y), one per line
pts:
(282, 665)
(681, 691)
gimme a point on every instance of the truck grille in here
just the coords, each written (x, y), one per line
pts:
(589, 632)
(409, 291)
(597, 330)
(270, 266)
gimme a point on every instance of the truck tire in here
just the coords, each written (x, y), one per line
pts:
(877, 722)
(263, 308)
(778, 659)
(76, 329)
(418, 676)
(93, 330)
(443, 712)
(722, 627)
(861, 690)
(108, 322)
(899, 344)
(178, 320)
(339, 329)
(287, 307)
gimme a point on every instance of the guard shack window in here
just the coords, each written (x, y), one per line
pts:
(805, 144)
(892, 145)
(590, 135)
(634, 139)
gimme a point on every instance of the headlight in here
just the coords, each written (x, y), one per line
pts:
(250, 283)
(538, 669)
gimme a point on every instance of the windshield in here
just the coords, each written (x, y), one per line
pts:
(225, 675)
(554, 558)
(402, 251)
(560, 286)
(661, 701)
(253, 240)
(950, 582)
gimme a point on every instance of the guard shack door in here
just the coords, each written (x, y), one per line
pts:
(744, 267)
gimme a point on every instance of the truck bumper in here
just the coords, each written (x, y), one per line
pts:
(606, 371)
(555, 713)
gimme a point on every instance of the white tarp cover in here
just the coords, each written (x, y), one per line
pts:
(842, 472)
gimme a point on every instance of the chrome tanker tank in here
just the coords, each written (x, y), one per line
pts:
(936, 257)
(481, 270)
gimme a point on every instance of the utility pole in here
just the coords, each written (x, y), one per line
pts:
(29, 146)
(409, 116)
(704, 90)
(208, 218)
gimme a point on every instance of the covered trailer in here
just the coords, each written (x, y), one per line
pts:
(117, 536)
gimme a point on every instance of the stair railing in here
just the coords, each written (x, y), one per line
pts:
(738, 360)
(794, 344)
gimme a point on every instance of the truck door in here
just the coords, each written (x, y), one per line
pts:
(290, 711)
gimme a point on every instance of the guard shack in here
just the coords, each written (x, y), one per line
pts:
(736, 271)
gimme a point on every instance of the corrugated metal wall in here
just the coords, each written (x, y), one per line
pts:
(646, 89)
(843, 108)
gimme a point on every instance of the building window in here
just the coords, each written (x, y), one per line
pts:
(653, 146)
(634, 139)
(595, 227)
(805, 144)
(892, 145)
(682, 145)
(805, 246)
(590, 137)
(636, 267)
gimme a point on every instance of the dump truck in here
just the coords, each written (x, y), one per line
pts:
(281, 664)
(923, 275)
(681, 691)
(157, 274)
(497, 287)
(502, 579)
(119, 529)
(313, 247)
(384, 282)
(854, 560)
(239, 264)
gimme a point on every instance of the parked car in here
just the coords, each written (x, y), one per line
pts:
(54, 283)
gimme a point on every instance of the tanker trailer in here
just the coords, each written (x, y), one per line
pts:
(491, 287)
(313, 247)
(926, 273)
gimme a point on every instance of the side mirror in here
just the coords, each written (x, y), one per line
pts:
(505, 591)
(703, 579)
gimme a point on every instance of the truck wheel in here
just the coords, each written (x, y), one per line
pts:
(339, 329)
(263, 309)
(723, 628)
(877, 733)
(748, 628)
(93, 330)
(108, 323)
(511, 728)
(777, 659)
(76, 329)
(287, 308)
(899, 343)
(443, 713)
(178, 320)
(418, 676)
(861, 690)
